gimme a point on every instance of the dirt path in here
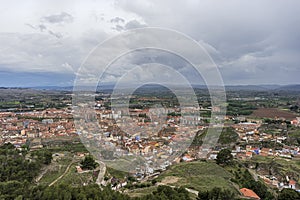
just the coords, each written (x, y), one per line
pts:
(40, 176)
(169, 180)
(173, 179)
(192, 191)
(66, 171)
(101, 174)
(254, 174)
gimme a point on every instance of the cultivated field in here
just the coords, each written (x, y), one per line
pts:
(273, 113)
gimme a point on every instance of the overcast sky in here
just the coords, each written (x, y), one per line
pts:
(251, 42)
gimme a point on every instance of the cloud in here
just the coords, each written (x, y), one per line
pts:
(37, 52)
(248, 41)
(134, 24)
(40, 27)
(117, 20)
(118, 28)
(43, 28)
(63, 17)
(47, 21)
(57, 35)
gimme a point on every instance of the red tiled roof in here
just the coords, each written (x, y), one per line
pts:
(248, 153)
(249, 193)
(292, 182)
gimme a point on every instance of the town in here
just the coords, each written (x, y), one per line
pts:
(146, 141)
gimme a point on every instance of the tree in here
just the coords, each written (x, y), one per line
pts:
(167, 193)
(203, 195)
(288, 194)
(224, 157)
(47, 157)
(216, 194)
(88, 163)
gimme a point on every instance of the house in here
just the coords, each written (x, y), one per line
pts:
(79, 169)
(292, 184)
(296, 121)
(266, 152)
(248, 154)
(187, 158)
(241, 155)
(213, 156)
(249, 194)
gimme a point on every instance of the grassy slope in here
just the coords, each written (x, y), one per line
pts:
(76, 179)
(55, 170)
(199, 176)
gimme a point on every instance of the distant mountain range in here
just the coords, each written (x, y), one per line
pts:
(290, 87)
(265, 87)
(295, 87)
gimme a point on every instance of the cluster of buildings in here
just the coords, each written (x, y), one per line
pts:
(18, 128)
(249, 133)
(280, 184)
(289, 152)
(151, 134)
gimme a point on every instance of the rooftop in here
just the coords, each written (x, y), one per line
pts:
(249, 193)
